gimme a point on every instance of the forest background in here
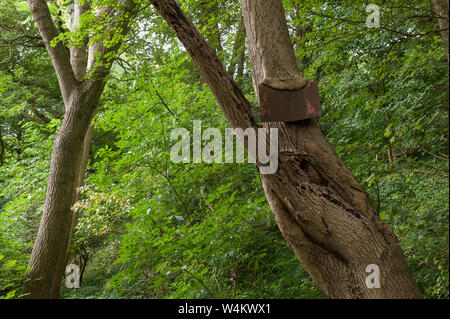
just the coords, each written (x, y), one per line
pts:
(149, 228)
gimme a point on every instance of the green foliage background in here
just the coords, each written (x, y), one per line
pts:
(150, 228)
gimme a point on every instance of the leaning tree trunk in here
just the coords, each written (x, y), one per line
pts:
(52, 240)
(322, 211)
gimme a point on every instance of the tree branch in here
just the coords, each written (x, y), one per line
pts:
(59, 54)
(41, 116)
(78, 54)
(164, 103)
(231, 99)
(101, 57)
(31, 118)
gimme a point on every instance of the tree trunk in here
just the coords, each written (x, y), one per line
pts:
(81, 170)
(52, 240)
(441, 9)
(322, 211)
(79, 62)
(71, 148)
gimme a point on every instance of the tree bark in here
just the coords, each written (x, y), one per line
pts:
(81, 97)
(322, 211)
(79, 62)
(54, 230)
(441, 9)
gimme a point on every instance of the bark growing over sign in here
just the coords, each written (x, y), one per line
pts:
(322, 211)
(81, 96)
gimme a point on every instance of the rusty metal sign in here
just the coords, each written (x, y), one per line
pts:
(289, 105)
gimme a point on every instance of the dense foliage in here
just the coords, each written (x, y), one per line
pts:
(150, 228)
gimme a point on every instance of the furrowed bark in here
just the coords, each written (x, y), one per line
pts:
(320, 208)
(79, 63)
(81, 169)
(54, 230)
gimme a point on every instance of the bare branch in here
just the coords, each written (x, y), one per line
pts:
(31, 118)
(41, 116)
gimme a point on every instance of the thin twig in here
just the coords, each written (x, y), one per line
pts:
(164, 103)
(201, 282)
(434, 155)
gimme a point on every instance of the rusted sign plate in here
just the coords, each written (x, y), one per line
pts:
(289, 106)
